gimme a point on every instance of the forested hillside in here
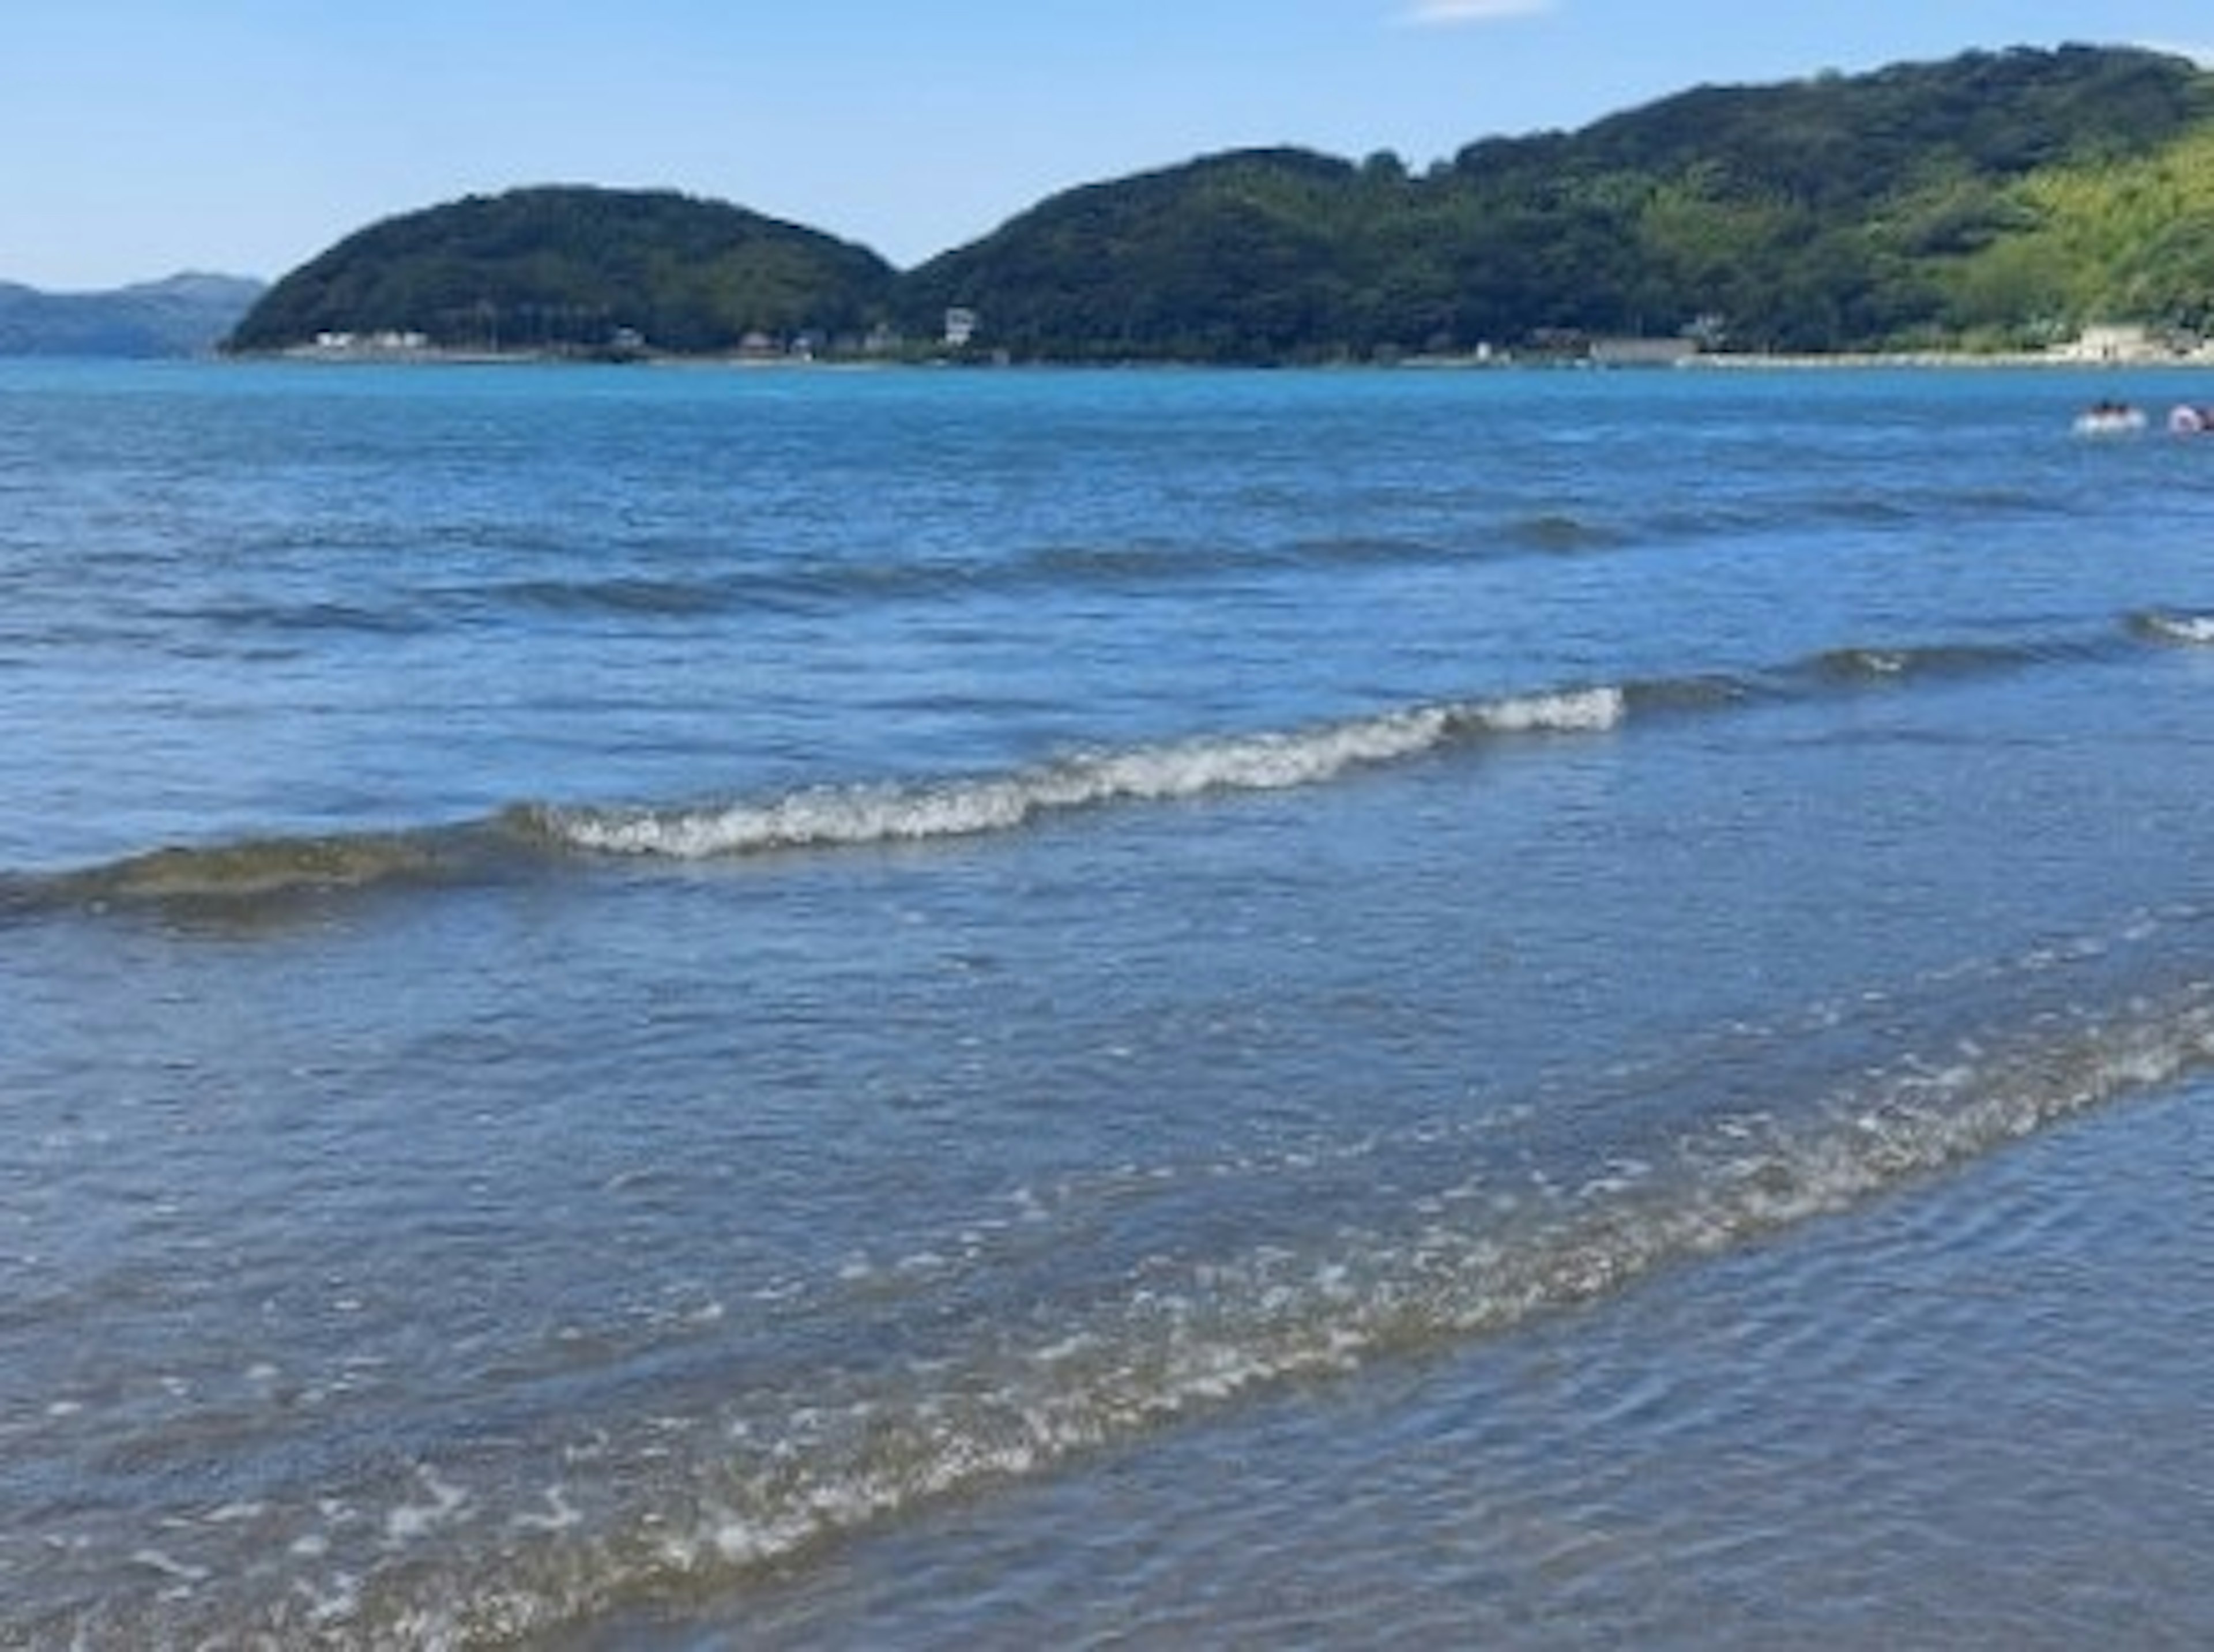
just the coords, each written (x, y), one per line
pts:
(575, 268)
(1997, 200)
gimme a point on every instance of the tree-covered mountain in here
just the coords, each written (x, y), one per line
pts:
(1996, 199)
(1263, 255)
(578, 268)
(184, 316)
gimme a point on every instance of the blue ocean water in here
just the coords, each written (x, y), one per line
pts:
(695, 1007)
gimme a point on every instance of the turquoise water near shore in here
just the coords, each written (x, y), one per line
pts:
(646, 1008)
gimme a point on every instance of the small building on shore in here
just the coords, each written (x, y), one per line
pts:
(2117, 345)
(1641, 352)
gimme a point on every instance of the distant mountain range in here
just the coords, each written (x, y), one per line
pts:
(186, 314)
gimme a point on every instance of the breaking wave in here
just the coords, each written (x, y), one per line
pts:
(2186, 630)
(894, 812)
(534, 837)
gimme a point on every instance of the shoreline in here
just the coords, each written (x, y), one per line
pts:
(1842, 361)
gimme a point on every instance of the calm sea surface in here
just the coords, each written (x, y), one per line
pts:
(662, 1009)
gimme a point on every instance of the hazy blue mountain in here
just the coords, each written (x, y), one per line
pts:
(185, 314)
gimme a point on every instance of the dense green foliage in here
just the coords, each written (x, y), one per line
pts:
(1998, 199)
(576, 268)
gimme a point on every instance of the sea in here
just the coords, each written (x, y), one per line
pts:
(645, 1009)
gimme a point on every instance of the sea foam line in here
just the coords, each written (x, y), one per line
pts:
(895, 812)
(1251, 1321)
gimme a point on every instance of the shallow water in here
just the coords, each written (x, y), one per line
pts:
(648, 1008)
(1963, 1415)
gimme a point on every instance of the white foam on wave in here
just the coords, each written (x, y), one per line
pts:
(170, 1567)
(560, 1515)
(889, 812)
(1583, 711)
(2197, 629)
(408, 1523)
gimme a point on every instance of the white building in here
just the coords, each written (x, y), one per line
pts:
(2113, 344)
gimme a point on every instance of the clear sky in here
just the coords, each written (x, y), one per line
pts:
(139, 137)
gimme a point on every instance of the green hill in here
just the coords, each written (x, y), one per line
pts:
(576, 268)
(1262, 254)
(1996, 200)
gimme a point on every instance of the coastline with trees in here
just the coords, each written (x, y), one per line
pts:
(1997, 205)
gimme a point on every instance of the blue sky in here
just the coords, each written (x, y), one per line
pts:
(143, 137)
